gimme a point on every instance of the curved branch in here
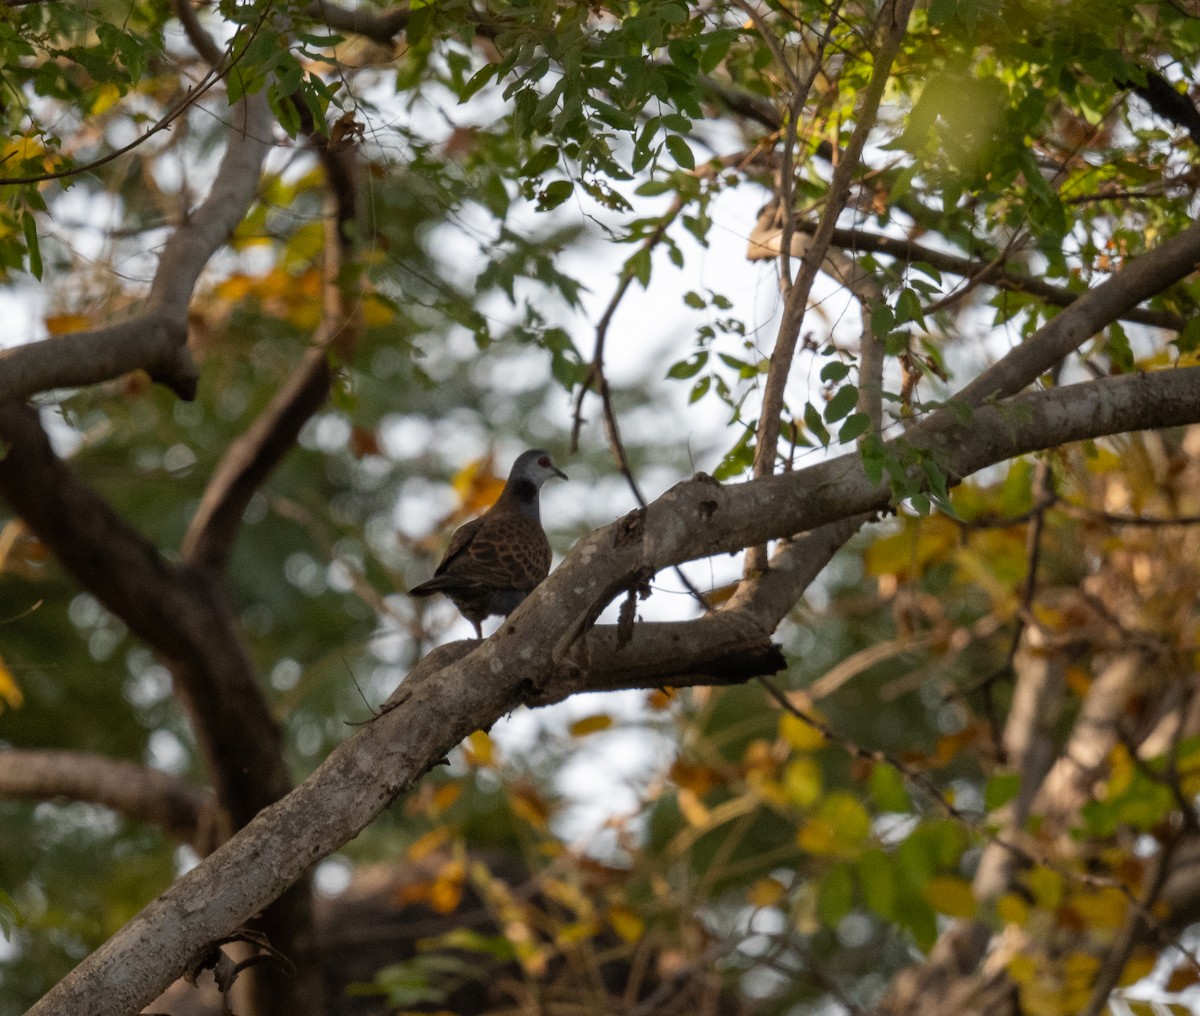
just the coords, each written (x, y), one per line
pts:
(176, 609)
(180, 810)
(209, 226)
(541, 650)
(1151, 273)
(155, 341)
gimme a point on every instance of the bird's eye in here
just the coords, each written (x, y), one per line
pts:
(544, 462)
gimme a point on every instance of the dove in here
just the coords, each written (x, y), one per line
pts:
(495, 561)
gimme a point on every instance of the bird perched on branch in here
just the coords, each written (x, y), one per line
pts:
(496, 560)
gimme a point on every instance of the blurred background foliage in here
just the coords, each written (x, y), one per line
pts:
(705, 838)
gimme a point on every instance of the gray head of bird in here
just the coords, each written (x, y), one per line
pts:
(536, 466)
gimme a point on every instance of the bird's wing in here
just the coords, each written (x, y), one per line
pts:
(459, 543)
(504, 552)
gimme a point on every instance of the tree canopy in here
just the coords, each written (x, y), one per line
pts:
(867, 333)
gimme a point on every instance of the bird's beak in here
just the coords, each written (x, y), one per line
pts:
(559, 473)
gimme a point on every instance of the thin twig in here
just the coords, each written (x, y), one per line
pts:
(894, 19)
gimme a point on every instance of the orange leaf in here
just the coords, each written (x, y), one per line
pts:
(61, 324)
(10, 692)
(425, 845)
(659, 699)
(699, 779)
(447, 890)
(766, 892)
(590, 724)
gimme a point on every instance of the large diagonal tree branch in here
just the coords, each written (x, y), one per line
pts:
(545, 646)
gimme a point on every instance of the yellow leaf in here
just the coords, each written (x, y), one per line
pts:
(1012, 908)
(908, 551)
(626, 922)
(477, 485)
(479, 750)
(950, 746)
(1046, 886)
(425, 845)
(659, 699)
(1182, 977)
(9, 690)
(1120, 770)
(236, 287)
(1022, 969)
(1104, 907)
(802, 781)
(569, 895)
(107, 96)
(1140, 965)
(713, 598)
(529, 806)
(447, 890)
(1079, 969)
(766, 892)
(1079, 679)
(578, 931)
(800, 735)
(22, 149)
(950, 895)
(376, 313)
(839, 829)
(699, 779)
(692, 808)
(590, 724)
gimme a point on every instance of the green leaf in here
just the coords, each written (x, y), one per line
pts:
(554, 194)
(908, 308)
(680, 152)
(883, 320)
(873, 458)
(834, 371)
(836, 897)
(855, 426)
(1001, 789)
(877, 882)
(842, 404)
(888, 790)
(1188, 341)
(1119, 348)
(543, 159)
(812, 420)
(690, 367)
(29, 226)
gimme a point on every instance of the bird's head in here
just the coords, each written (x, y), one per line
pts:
(536, 466)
